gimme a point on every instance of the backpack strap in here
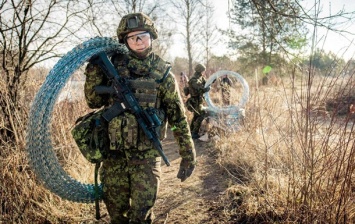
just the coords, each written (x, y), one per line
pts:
(97, 196)
(165, 75)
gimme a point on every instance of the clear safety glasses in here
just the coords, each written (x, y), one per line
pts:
(140, 36)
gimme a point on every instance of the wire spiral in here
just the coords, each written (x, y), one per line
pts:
(232, 114)
(39, 146)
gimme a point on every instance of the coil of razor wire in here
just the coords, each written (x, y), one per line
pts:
(231, 114)
(41, 155)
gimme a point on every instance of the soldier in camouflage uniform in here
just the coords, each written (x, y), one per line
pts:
(226, 84)
(131, 172)
(195, 102)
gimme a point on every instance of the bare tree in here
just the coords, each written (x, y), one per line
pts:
(104, 17)
(209, 35)
(189, 15)
(35, 31)
(31, 32)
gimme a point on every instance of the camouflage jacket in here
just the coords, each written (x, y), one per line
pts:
(124, 132)
(225, 83)
(197, 85)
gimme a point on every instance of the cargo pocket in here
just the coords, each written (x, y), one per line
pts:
(129, 131)
(115, 133)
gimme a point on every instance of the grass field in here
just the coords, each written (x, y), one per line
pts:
(292, 161)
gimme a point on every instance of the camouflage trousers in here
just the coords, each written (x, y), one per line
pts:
(226, 95)
(197, 121)
(130, 189)
(194, 104)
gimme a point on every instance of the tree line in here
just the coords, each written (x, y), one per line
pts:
(260, 32)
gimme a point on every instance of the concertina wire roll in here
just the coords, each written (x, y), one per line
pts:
(39, 147)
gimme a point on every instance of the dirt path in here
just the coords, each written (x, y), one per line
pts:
(194, 200)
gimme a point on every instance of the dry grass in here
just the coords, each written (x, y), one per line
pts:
(292, 162)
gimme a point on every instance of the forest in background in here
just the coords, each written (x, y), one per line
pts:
(318, 173)
(280, 33)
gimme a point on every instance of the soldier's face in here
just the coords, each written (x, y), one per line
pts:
(139, 41)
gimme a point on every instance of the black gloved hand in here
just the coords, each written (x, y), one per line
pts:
(208, 88)
(186, 169)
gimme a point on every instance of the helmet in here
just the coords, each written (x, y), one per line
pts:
(200, 68)
(135, 22)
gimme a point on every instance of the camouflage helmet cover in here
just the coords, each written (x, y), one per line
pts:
(135, 22)
(200, 68)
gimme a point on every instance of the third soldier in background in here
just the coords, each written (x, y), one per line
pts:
(226, 84)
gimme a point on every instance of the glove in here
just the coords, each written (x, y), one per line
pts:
(186, 169)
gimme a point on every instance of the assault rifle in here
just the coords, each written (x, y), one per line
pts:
(125, 101)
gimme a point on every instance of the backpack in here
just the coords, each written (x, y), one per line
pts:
(91, 136)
